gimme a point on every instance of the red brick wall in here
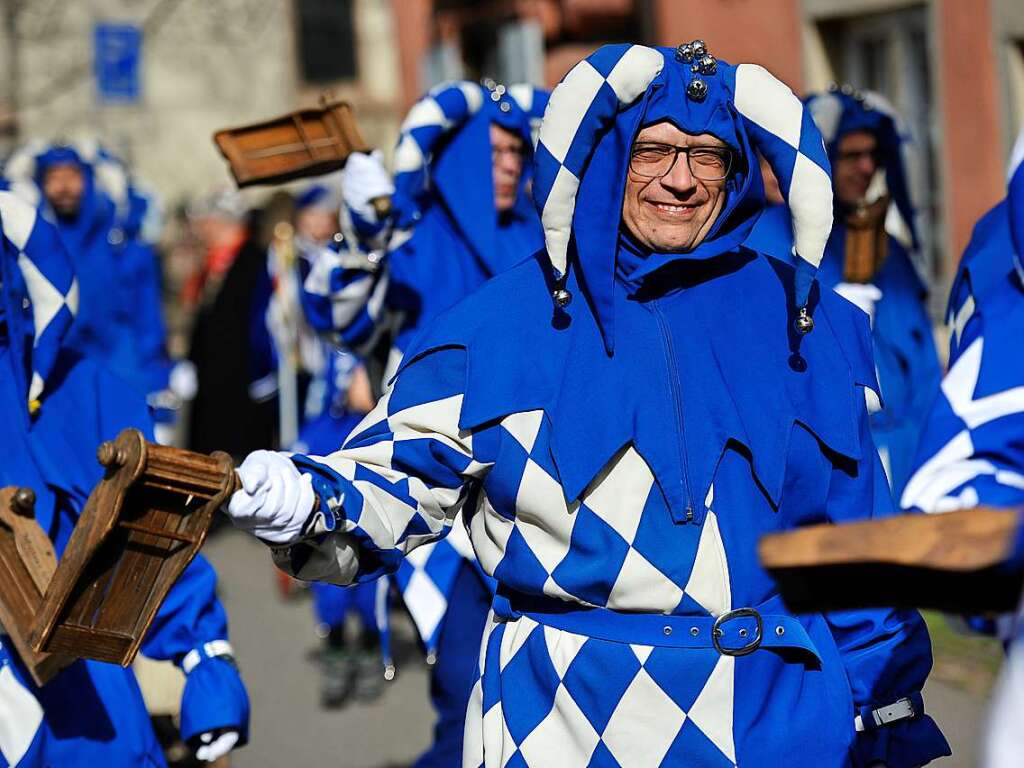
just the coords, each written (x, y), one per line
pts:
(765, 32)
(971, 147)
(413, 30)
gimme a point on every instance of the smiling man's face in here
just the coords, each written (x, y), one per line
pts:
(674, 212)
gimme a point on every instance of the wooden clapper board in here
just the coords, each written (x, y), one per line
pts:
(309, 142)
(955, 562)
(142, 525)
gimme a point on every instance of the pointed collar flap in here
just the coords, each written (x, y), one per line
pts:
(742, 381)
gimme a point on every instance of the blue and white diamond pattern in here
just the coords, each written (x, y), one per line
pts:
(785, 133)
(523, 530)
(425, 579)
(390, 439)
(408, 467)
(947, 480)
(621, 515)
(49, 280)
(557, 698)
(343, 293)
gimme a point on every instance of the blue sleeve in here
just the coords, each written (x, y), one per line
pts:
(971, 450)
(191, 629)
(396, 484)
(262, 353)
(191, 615)
(150, 331)
(886, 652)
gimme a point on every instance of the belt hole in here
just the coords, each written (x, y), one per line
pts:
(780, 631)
(719, 633)
(667, 631)
(694, 631)
(743, 633)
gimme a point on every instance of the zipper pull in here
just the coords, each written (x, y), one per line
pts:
(689, 513)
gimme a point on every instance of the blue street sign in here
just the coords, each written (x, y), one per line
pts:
(117, 49)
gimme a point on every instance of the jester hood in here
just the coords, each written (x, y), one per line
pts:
(597, 111)
(443, 159)
(842, 111)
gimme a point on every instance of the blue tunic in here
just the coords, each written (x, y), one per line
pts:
(465, 424)
(905, 357)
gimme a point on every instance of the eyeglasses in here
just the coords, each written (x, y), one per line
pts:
(856, 155)
(656, 160)
(514, 153)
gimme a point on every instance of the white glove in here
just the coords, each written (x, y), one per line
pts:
(275, 499)
(213, 749)
(184, 381)
(864, 296)
(363, 179)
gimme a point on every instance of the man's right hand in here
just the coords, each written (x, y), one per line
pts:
(275, 500)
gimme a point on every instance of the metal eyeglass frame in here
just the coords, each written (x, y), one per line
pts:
(724, 152)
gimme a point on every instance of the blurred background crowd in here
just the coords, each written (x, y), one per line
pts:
(156, 79)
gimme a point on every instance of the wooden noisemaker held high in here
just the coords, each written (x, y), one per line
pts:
(301, 144)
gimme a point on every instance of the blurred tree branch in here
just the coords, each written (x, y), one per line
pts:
(226, 23)
(80, 67)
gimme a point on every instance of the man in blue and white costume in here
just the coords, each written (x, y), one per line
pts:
(461, 216)
(56, 408)
(85, 192)
(972, 448)
(865, 148)
(620, 419)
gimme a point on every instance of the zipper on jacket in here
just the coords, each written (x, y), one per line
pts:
(677, 402)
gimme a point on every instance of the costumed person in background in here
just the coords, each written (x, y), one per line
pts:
(620, 419)
(869, 261)
(972, 446)
(92, 713)
(235, 407)
(337, 394)
(350, 667)
(85, 192)
(144, 223)
(294, 350)
(461, 216)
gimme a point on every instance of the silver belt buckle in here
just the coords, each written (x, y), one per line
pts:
(752, 645)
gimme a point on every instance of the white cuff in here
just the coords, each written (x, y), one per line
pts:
(209, 650)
